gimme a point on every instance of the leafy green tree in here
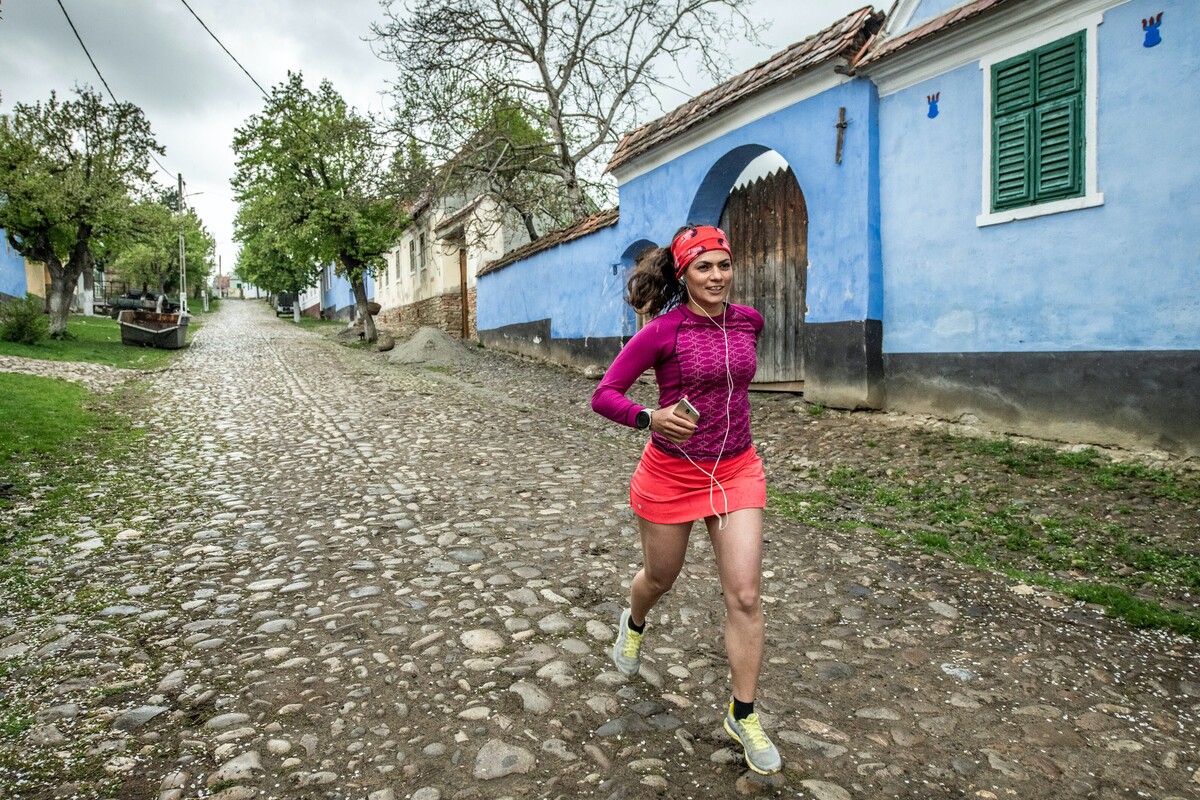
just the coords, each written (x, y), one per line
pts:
(148, 254)
(509, 159)
(316, 174)
(265, 261)
(68, 170)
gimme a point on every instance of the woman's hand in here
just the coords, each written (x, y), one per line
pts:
(665, 422)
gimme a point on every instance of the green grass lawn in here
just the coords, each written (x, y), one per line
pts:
(48, 415)
(96, 340)
(197, 306)
(57, 441)
(1114, 534)
(314, 324)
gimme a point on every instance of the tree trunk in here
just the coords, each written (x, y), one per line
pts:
(61, 297)
(359, 285)
(89, 293)
(64, 278)
(575, 196)
(529, 226)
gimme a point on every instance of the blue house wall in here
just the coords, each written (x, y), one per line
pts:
(12, 271)
(1089, 317)
(337, 298)
(564, 303)
(843, 239)
(569, 298)
(1082, 325)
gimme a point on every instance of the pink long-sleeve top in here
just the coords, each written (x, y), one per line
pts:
(688, 353)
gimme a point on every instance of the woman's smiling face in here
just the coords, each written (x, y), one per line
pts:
(708, 279)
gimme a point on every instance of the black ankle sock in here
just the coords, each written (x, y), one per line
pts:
(635, 627)
(742, 710)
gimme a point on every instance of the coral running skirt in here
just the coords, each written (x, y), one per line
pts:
(668, 490)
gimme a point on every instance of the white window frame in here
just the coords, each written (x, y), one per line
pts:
(1092, 196)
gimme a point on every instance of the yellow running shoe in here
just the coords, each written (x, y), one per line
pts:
(627, 649)
(761, 754)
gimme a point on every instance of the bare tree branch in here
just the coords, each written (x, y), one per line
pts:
(578, 72)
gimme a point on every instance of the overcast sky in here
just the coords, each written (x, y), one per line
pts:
(154, 53)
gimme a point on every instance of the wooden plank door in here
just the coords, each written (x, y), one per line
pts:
(462, 292)
(767, 223)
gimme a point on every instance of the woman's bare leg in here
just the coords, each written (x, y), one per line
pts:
(663, 550)
(738, 551)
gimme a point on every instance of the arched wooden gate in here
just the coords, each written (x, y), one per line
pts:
(767, 223)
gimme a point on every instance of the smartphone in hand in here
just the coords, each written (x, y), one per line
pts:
(686, 410)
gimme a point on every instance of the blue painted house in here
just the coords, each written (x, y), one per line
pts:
(13, 283)
(337, 298)
(986, 209)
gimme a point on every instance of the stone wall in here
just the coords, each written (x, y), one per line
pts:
(443, 312)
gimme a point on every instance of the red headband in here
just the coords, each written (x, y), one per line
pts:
(695, 241)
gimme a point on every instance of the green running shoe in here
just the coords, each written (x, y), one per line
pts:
(761, 754)
(627, 649)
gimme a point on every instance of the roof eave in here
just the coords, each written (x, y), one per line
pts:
(577, 230)
(795, 89)
(863, 22)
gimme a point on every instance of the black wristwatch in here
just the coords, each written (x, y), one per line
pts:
(642, 420)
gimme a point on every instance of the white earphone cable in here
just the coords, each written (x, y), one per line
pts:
(712, 476)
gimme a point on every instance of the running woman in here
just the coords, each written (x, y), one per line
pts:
(702, 350)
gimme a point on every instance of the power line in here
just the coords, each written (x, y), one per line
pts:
(286, 116)
(223, 47)
(85, 51)
(99, 74)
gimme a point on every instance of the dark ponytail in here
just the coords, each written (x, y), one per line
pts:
(653, 287)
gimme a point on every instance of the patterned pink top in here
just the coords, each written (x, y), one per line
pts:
(687, 352)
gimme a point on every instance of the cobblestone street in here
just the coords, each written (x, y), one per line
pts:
(377, 581)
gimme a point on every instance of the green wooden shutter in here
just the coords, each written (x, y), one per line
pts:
(1058, 155)
(1012, 161)
(1037, 130)
(1012, 132)
(1059, 68)
(1012, 85)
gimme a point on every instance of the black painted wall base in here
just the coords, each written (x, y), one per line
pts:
(843, 363)
(533, 339)
(1131, 399)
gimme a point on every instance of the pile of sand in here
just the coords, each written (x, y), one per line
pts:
(430, 346)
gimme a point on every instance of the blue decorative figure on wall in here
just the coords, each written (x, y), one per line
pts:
(933, 101)
(1150, 26)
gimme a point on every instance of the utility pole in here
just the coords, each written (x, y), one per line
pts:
(182, 263)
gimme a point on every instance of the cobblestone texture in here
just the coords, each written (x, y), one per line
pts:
(381, 582)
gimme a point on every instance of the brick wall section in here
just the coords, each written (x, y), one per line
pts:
(443, 312)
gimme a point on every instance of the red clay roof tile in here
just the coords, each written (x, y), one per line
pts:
(883, 48)
(842, 39)
(584, 227)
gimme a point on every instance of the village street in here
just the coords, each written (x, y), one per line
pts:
(347, 578)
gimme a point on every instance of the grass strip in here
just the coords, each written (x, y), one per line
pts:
(43, 415)
(1086, 543)
(313, 323)
(95, 340)
(58, 450)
